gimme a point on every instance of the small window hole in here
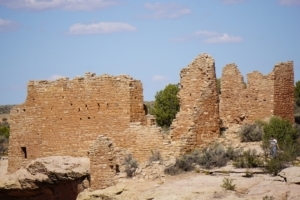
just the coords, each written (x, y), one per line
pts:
(24, 151)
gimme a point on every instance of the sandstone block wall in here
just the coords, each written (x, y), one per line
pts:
(197, 122)
(102, 163)
(261, 98)
(103, 117)
(284, 90)
(64, 117)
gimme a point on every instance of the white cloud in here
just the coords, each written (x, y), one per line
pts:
(206, 33)
(232, 1)
(289, 2)
(7, 25)
(159, 78)
(224, 38)
(58, 4)
(215, 37)
(100, 28)
(170, 11)
(55, 77)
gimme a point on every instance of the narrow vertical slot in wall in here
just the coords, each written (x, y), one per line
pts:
(24, 151)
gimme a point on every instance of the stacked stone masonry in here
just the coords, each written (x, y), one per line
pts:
(64, 117)
(261, 98)
(103, 117)
(197, 122)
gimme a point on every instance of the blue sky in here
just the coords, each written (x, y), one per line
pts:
(148, 40)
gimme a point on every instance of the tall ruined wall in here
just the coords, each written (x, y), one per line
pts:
(261, 98)
(232, 108)
(284, 90)
(197, 122)
(64, 117)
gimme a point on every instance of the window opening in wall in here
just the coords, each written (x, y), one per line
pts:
(78, 109)
(24, 110)
(80, 118)
(89, 118)
(117, 169)
(71, 104)
(24, 151)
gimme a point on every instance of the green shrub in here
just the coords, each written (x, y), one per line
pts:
(214, 156)
(287, 136)
(248, 174)
(282, 130)
(248, 159)
(268, 197)
(4, 131)
(3, 144)
(155, 156)
(130, 165)
(166, 105)
(251, 132)
(173, 170)
(227, 184)
(274, 166)
(297, 93)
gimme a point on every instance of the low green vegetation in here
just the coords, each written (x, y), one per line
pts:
(155, 156)
(288, 137)
(214, 156)
(228, 184)
(248, 159)
(4, 128)
(251, 132)
(4, 136)
(217, 155)
(130, 165)
(297, 93)
(268, 197)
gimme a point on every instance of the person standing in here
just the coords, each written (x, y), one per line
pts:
(274, 146)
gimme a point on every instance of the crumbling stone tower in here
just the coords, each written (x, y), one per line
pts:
(261, 98)
(197, 122)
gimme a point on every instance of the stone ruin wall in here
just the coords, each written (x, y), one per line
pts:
(106, 158)
(103, 117)
(92, 116)
(261, 98)
(64, 117)
(197, 122)
(284, 90)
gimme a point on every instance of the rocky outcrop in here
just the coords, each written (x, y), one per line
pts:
(55, 177)
(291, 175)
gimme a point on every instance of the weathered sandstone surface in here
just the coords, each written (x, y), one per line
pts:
(194, 185)
(55, 177)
